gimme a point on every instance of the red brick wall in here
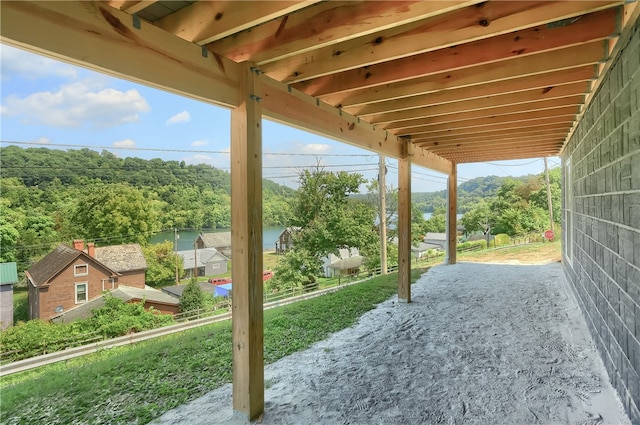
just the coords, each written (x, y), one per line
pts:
(133, 278)
(61, 292)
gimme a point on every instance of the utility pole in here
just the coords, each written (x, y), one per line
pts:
(176, 236)
(382, 189)
(546, 170)
(195, 262)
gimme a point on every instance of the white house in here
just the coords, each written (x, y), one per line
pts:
(347, 262)
(208, 261)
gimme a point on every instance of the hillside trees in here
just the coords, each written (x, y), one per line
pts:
(121, 213)
(163, 264)
(51, 196)
(329, 218)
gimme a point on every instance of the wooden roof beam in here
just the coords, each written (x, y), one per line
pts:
(507, 113)
(292, 107)
(591, 27)
(549, 81)
(428, 144)
(487, 19)
(206, 21)
(502, 156)
(530, 117)
(325, 25)
(96, 36)
(131, 6)
(491, 128)
(540, 149)
(516, 102)
(541, 63)
(448, 146)
(471, 134)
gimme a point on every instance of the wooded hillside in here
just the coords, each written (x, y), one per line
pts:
(49, 196)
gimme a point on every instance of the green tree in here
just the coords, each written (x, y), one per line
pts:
(163, 264)
(120, 213)
(296, 269)
(479, 218)
(437, 223)
(192, 297)
(329, 219)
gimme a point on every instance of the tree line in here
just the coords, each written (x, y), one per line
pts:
(49, 196)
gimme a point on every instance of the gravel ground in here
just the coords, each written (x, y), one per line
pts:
(479, 344)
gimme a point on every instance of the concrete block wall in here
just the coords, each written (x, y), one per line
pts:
(601, 256)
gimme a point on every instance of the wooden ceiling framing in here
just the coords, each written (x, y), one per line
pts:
(468, 81)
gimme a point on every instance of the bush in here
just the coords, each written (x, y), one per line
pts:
(192, 298)
(116, 318)
(502, 239)
(472, 246)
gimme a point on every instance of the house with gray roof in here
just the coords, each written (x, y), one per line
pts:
(208, 261)
(8, 278)
(218, 240)
(69, 277)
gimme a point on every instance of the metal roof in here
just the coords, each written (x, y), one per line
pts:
(8, 273)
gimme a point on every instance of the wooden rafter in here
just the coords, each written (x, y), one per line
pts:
(489, 106)
(486, 19)
(595, 26)
(547, 81)
(541, 63)
(207, 21)
(326, 24)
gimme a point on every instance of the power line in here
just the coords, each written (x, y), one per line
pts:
(226, 152)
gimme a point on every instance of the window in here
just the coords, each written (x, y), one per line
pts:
(215, 266)
(81, 293)
(81, 270)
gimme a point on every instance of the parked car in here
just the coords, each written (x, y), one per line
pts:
(219, 280)
(266, 275)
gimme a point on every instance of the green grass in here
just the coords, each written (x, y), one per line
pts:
(136, 384)
(20, 304)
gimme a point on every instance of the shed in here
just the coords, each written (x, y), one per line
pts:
(8, 278)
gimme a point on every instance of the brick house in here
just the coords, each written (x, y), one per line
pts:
(69, 277)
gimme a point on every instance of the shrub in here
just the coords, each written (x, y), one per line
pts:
(472, 245)
(502, 239)
(192, 298)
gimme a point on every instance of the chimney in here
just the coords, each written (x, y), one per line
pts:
(91, 249)
(78, 244)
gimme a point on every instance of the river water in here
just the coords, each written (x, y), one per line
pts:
(187, 237)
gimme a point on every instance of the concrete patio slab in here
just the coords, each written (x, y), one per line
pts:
(479, 344)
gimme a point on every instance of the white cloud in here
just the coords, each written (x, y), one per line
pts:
(318, 148)
(42, 141)
(201, 158)
(199, 143)
(19, 63)
(183, 116)
(78, 104)
(126, 143)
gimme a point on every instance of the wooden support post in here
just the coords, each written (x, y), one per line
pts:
(246, 245)
(404, 229)
(452, 218)
(382, 190)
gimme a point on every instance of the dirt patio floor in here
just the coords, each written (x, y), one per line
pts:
(479, 344)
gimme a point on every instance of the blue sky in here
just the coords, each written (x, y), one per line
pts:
(52, 104)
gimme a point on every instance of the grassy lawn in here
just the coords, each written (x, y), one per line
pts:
(534, 253)
(136, 384)
(20, 304)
